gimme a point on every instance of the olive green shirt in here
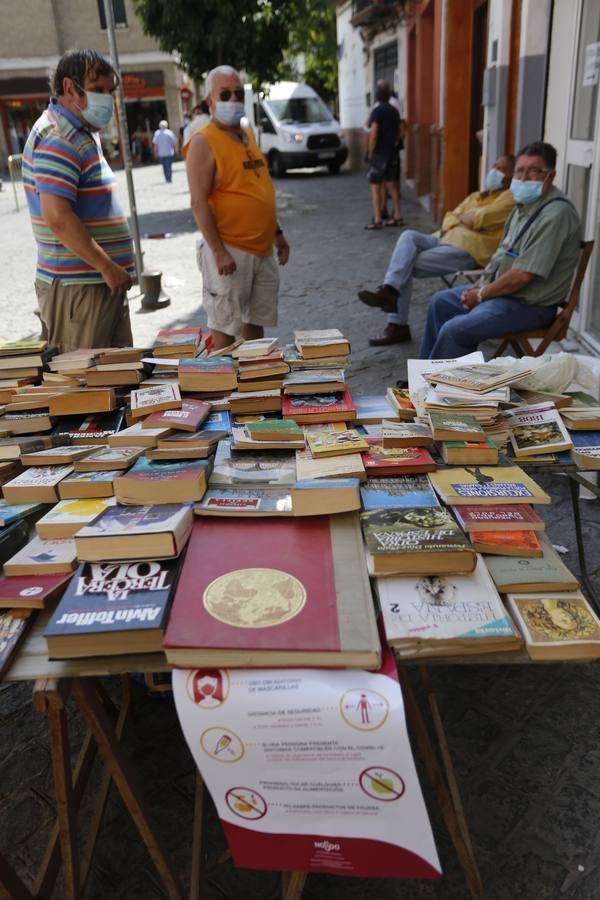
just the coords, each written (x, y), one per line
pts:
(549, 249)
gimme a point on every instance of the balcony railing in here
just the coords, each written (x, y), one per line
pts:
(371, 12)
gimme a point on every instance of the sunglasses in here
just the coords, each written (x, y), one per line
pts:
(226, 93)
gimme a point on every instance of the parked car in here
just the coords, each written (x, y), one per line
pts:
(294, 128)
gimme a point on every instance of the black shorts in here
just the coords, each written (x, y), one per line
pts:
(388, 171)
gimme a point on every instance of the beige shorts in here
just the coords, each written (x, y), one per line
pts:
(83, 315)
(247, 297)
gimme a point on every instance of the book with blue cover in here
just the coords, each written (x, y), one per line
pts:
(373, 408)
(398, 492)
(113, 608)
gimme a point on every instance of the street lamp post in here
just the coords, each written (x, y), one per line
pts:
(149, 281)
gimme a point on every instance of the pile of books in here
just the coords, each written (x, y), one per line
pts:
(230, 477)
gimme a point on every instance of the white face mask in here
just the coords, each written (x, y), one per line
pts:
(99, 109)
(229, 112)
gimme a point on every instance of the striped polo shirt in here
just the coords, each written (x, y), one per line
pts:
(63, 158)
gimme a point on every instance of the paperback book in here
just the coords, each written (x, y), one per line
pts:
(382, 461)
(487, 486)
(68, 516)
(135, 532)
(398, 492)
(40, 557)
(523, 574)
(537, 429)
(14, 625)
(38, 484)
(162, 482)
(556, 627)
(242, 467)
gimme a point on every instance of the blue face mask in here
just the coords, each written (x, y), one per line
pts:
(526, 191)
(99, 109)
(229, 112)
(494, 179)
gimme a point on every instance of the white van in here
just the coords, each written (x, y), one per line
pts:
(294, 128)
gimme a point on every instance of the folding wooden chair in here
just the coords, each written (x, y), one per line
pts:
(557, 331)
(471, 275)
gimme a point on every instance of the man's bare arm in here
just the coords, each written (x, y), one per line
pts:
(201, 173)
(58, 214)
(372, 139)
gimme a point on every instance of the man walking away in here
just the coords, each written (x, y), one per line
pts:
(164, 148)
(233, 200)
(382, 155)
(85, 254)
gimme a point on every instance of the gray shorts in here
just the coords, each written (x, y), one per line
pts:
(247, 297)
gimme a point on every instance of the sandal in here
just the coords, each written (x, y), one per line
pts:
(393, 223)
(374, 226)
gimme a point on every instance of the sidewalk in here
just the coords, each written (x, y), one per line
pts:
(524, 738)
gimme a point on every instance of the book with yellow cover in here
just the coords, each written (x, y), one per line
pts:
(556, 626)
(487, 485)
(335, 443)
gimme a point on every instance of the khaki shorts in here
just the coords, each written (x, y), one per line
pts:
(248, 297)
(82, 315)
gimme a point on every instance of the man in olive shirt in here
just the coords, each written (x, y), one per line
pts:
(528, 276)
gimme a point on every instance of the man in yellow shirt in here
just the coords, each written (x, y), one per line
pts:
(233, 200)
(467, 240)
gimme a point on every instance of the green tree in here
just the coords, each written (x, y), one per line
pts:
(262, 37)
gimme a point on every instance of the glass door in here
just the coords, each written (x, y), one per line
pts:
(581, 175)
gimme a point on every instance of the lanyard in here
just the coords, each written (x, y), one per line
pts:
(511, 250)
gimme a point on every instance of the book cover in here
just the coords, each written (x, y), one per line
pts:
(148, 471)
(400, 400)
(507, 543)
(240, 467)
(251, 501)
(253, 348)
(398, 492)
(505, 517)
(415, 529)
(373, 408)
(159, 397)
(115, 521)
(348, 466)
(14, 624)
(95, 428)
(57, 455)
(487, 485)
(207, 373)
(479, 376)
(241, 440)
(274, 428)
(137, 435)
(68, 516)
(405, 434)
(447, 427)
(108, 459)
(43, 557)
(396, 460)
(113, 608)
(258, 597)
(297, 406)
(38, 477)
(335, 443)
(86, 484)
(537, 429)
(562, 626)
(189, 418)
(522, 574)
(29, 591)
(12, 513)
(178, 337)
(460, 609)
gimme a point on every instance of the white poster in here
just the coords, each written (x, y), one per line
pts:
(310, 769)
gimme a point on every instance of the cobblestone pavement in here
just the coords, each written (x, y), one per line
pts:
(524, 738)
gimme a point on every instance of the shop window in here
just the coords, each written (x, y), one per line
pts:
(120, 16)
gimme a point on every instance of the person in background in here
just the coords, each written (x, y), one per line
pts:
(164, 142)
(187, 118)
(200, 118)
(85, 254)
(527, 278)
(233, 200)
(467, 239)
(382, 155)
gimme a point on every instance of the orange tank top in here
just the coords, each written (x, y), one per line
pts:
(243, 201)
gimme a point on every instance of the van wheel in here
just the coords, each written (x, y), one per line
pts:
(276, 164)
(334, 168)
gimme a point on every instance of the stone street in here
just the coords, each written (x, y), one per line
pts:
(524, 739)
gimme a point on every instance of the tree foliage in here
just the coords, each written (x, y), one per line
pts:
(262, 37)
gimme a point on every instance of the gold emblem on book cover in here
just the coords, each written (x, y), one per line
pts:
(254, 598)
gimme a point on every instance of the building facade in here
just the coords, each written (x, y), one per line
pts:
(37, 34)
(476, 79)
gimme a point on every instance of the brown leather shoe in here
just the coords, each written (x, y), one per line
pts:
(392, 334)
(385, 297)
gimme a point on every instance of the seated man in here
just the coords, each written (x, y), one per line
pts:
(528, 276)
(468, 237)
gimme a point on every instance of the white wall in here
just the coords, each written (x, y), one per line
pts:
(352, 81)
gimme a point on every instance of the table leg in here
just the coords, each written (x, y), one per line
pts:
(292, 885)
(11, 885)
(444, 797)
(197, 840)
(63, 786)
(88, 700)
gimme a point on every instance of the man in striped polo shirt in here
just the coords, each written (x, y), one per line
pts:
(85, 253)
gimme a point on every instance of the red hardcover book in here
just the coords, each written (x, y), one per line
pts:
(318, 408)
(385, 461)
(29, 592)
(257, 598)
(507, 517)
(188, 418)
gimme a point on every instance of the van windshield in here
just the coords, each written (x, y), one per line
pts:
(301, 110)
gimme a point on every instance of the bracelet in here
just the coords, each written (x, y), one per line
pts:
(480, 294)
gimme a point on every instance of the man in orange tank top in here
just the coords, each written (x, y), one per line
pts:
(233, 201)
